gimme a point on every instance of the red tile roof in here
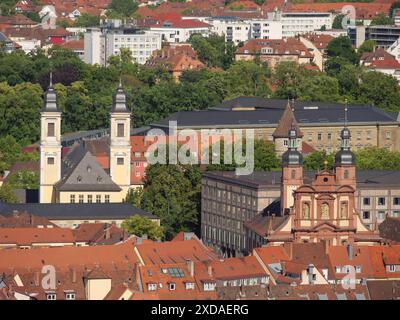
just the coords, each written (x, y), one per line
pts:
(76, 45)
(288, 46)
(153, 253)
(35, 236)
(379, 59)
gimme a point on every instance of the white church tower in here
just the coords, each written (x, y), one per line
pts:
(120, 144)
(50, 146)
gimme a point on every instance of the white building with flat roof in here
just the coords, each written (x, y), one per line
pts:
(100, 45)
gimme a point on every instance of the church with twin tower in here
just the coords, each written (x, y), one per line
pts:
(78, 177)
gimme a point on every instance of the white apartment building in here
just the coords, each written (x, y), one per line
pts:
(294, 23)
(265, 29)
(233, 29)
(100, 45)
(181, 30)
(394, 49)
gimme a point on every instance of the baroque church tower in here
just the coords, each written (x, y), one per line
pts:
(120, 144)
(292, 171)
(50, 145)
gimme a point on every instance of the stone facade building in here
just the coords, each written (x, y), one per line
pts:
(238, 212)
(78, 177)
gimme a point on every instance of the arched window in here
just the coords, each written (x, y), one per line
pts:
(346, 174)
(324, 211)
(293, 174)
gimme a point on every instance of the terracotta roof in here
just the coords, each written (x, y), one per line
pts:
(99, 233)
(364, 10)
(389, 229)
(153, 253)
(287, 46)
(287, 122)
(17, 20)
(32, 236)
(76, 45)
(306, 148)
(24, 220)
(25, 165)
(319, 40)
(384, 289)
(379, 59)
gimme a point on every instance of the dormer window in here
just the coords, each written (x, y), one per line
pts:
(79, 179)
(189, 285)
(70, 296)
(51, 296)
(152, 286)
(171, 286)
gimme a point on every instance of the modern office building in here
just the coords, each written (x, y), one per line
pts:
(384, 36)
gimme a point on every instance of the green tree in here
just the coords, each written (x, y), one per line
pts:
(140, 226)
(172, 193)
(380, 90)
(123, 7)
(134, 197)
(337, 22)
(381, 19)
(341, 47)
(367, 46)
(7, 195)
(87, 20)
(394, 8)
(377, 158)
(23, 179)
(317, 159)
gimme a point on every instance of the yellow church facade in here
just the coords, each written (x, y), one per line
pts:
(78, 177)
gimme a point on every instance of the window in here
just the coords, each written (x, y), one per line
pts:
(81, 198)
(89, 198)
(329, 136)
(51, 296)
(337, 269)
(152, 287)
(50, 160)
(366, 215)
(381, 215)
(50, 129)
(70, 296)
(107, 198)
(98, 198)
(388, 135)
(358, 269)
(396, 201)
(366, 201)
(396, 214)
(346, 174)
(72, 198)
(381, 201)
(189, 285)
(368, 135)
(309, 136)
(319, 136)
(120, 161)
(120, 130)
(137, 164)
(171, 286)
(358, 135)
(293, 174)
(391, 268)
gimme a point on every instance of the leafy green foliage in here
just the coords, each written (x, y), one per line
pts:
(7, 195)
(367, 46)
(341, 47)
(23, 179)
(87, 20)
(172, 192)
(381, 19)
(377, 158)
(316, 161)
(122, 8)
(140, 226)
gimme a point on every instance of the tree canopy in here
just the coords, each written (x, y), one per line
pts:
(140, 226)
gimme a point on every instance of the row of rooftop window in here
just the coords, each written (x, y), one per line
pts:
(89, 198)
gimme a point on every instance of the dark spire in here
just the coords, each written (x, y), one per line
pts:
(345, 156)
(50, 98)
(119, 100)
(292, 156)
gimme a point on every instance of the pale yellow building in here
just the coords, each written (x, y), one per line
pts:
(78, 177)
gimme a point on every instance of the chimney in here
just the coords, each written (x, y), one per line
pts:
(108, 236)
(138, 277)
(350, 251)
(37, 278)
(139, 240)
(144, 236)
(288, 246)
(190, 265)
(73, 275)
(209, 271)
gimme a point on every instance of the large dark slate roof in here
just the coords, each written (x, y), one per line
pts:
(81, 172)
(268, 112)
(272, 179)
(67, 211)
